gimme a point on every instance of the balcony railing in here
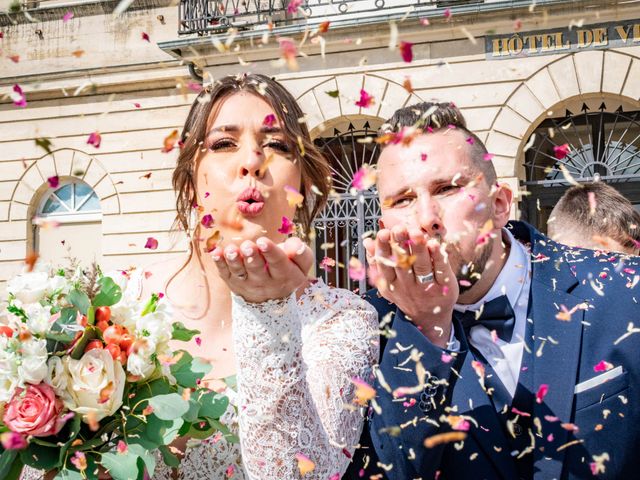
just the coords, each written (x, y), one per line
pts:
(215, 16)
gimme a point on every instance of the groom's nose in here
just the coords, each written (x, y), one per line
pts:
(430, 217)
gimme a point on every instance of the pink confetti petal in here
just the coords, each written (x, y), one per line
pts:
(561, 151)
(145, 36)
(542, 392)
(406, 51)
(602, 366)
(293, 6)
(151, 244)
(207, 221)
(445, 357)
(487, 157)
(357, 270)
(53, 181)
(327, 264)
(18, 97)
(269, 120)
(287, 227)
(94, 139)
(366, 100)
(67, 16)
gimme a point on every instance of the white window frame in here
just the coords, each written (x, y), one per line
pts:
(69, 217)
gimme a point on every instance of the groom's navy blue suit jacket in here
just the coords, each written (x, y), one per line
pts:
(570, 432)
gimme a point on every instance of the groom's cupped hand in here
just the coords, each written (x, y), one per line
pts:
(413, 272)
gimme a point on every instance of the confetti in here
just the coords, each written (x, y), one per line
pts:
(293, 6)
(323, 27)
(364, 392)
(447, 14)
(79, 460)
(488, 157)
(145, 36)
(333, 93)
(366, 100)
(561, 151)
(597, 466)
(305, 465)
(441, 438)
(327, 264)
(407, 85)
(170, 141)
(602, 366)
(67, 16)
(289, 51)
(151, 244)
(287, 227)
(14, 58)
(18, 96)
(542, 392)
(13, 441)
(30, 260)
(94, 139)
(207, 221)
(122, 447)
(269, 120)
(53, 181)
(406, 51)
(364, 178)
(294, 197)
(357, 270)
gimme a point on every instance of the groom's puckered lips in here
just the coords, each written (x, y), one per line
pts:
(250, 202)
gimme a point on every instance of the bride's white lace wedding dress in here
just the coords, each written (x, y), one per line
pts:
(296, 359)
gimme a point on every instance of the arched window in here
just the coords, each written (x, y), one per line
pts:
(603, 141)
(67, 224)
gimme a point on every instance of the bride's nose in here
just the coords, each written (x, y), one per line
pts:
(252, 163)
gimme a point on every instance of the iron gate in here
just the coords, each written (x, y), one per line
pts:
(347, 217)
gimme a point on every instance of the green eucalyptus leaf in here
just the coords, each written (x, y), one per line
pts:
(182, 333)
(213, 405)
(109, 294)
(161, 432)
(144, 456)
(80, 300)
(121, 466)
(67, 474)
(169, 407)
(192, 414)
(188, 370)
(60, 331)
(169, 458)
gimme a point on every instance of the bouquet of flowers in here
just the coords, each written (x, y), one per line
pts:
(88, 381)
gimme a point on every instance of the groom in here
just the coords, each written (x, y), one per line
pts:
(507, 355)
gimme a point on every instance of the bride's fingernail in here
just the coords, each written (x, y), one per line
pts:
(216, 257)
(231, 255)
(247, 251)
(262, 245)
(301, 250)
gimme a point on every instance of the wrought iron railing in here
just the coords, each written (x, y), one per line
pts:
(214, 16)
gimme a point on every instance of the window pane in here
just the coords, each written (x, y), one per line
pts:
(83, 192)
(53, 206)
(92, 205)
(65, 194)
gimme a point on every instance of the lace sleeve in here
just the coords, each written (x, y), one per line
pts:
(295, 365)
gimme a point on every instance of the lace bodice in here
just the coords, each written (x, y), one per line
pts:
(295, 365)
(295, 362)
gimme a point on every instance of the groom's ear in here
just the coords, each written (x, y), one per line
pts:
(381, 223)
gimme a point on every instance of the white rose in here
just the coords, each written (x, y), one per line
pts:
(33, 367)
(128, 309)
(29, 287)
(38, 318)
(57, 377)
(139, 362)
(88, 377)
(9, 360)
(157, 325)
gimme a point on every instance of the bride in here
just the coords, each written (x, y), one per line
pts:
(293, 345)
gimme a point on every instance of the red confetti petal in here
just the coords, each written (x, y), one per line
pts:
(94, 139)
(151, 244)
(542, 392)
(53, 181)
(406, 51)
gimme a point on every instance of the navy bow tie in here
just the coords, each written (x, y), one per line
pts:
(497, 315)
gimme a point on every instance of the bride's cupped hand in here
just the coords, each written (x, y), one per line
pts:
(263, 270)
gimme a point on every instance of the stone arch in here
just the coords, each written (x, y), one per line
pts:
(65, 163)
(577, 76)
(324, 111)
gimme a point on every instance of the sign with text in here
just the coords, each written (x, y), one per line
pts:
(625, 33)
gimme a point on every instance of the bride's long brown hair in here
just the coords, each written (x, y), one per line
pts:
(315, 171)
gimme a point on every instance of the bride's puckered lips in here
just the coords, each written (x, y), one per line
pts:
(250, 202)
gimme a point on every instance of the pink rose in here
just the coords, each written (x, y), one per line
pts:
(35, 411)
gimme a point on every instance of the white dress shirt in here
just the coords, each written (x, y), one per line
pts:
(514, 281)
